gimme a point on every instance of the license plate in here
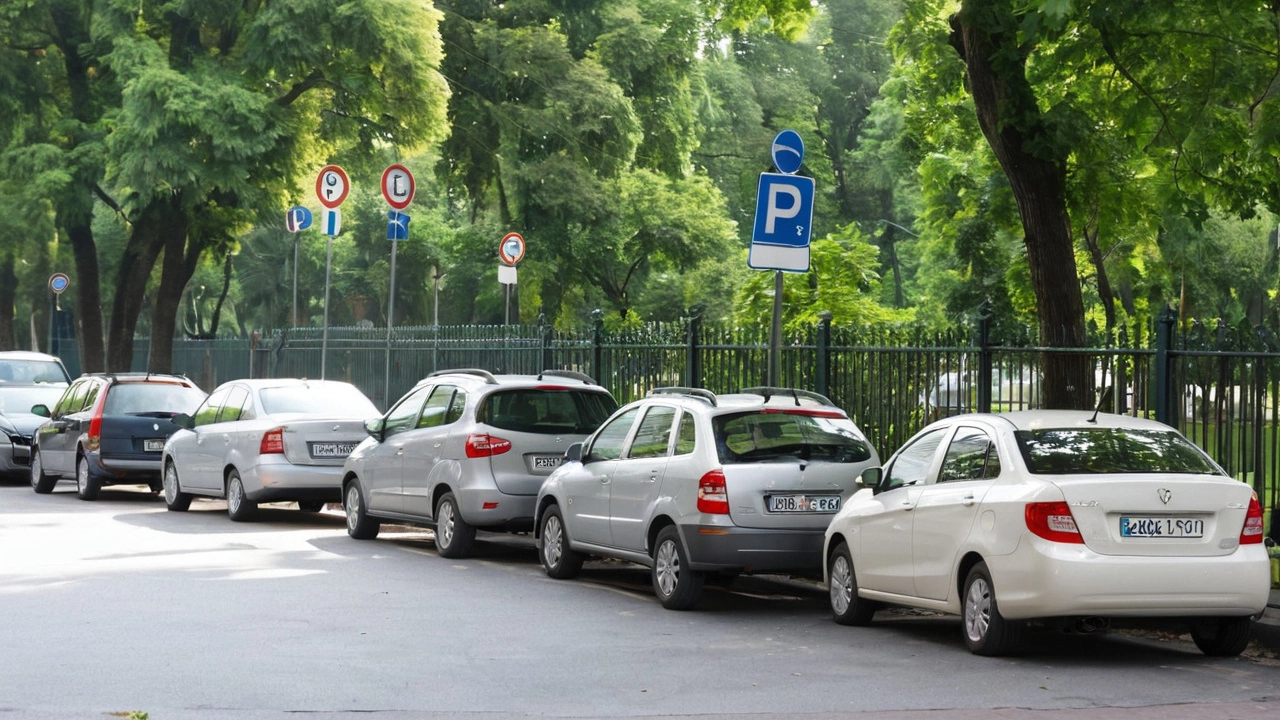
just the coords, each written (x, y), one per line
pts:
(541, 462)
(332, 450)
(803, 503)
(1149, 527)
(152, 445)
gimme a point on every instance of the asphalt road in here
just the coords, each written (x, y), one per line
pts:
(119, 606)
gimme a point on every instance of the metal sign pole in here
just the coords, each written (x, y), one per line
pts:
(775, 333)
(296, 242)
(507, 317)
(391, 321)
(324, 337)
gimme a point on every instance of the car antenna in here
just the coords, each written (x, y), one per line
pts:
(1097, 408)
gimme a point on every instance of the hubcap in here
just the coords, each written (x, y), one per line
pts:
(353, 507)
(82, 475)
(444, 524)
(841, 585)
(170, 484)
(553, 540)
(977, 610)
(36, 467)
(234, 496)
(666, 565)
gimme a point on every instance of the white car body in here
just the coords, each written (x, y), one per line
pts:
(915, 544)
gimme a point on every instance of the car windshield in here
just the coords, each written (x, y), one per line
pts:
(151, 398)
(19, 399)
(547, 411)
(761, 435)
(1092, 451)
(332, 399)
(33, 372)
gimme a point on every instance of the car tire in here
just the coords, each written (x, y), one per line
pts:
(311, 506)
(1221, 637)
(359, 525)
(454, 536)
(41, 482)
(239, 507)
(846, 606)
(986, 632)
(87, 484)
(156, 487)
(677, 587)
(174, 499)
(558, 559)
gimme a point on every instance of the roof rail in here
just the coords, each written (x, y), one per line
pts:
(699, 393)
(488, 377)
(571, 374)
(768, 392)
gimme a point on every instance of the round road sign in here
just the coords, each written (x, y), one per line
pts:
(332, 186)
(59, 282)
(397, 186)
(788, 152)
(511, 249)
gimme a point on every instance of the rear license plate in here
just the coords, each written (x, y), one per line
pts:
(542, 462)
(152, 445)
(331, 450)
(802, 503)
(1149, 527)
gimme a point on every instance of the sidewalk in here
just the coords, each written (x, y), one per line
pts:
(1266, 632)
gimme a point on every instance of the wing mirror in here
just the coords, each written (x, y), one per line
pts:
(184, 421)
(40, 410)
(870, 478)
(375, 427)
(573, 453)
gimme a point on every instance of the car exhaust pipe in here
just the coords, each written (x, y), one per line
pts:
(1086, 625)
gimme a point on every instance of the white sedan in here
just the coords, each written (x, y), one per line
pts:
(1067, 518)
(255, 441)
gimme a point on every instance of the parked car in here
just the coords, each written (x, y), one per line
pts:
(254, 441)
(18, 424)
(1067, 518)
(466, 450)
(109, 429)
(685, 481)
(20, 367)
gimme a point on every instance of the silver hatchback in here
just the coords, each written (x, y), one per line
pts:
(685, 481)
(467, 450)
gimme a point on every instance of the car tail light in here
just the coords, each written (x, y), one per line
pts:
(483, 445)
(93, 440)
(272, 442)
(1252, 532)
(1053, 521)
(713, 496)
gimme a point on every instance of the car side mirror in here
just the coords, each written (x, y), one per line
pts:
(573, 453)
(871, 478)
(184, 421)
(375, 427)
(41, 410)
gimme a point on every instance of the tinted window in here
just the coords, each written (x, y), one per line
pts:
(912, 464)
(147, 398)
(755, 436)
(608, 443)
(404, 415)
(971, 456)
(233, 409)
(32, 372)
(434, 411)
(73, 400)
(654, 435)
(208, 412)
(550, 412)
(686, 436)
(333, 399)
(456, 406)
(1110, 450)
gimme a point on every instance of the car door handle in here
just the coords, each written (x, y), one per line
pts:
(199, 439)
(400, 451)
(604, 479)
(967, 500)
(437, 445)
(226, 438)
(906, 505)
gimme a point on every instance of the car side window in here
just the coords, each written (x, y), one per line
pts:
(686, 435)
(608, 442)
(911, 467)
(95, 388)
(653, 438)
(73, 399)
(456, 406)
(433, 413)
(405, 414)
(231, 410)
(207, 414)
(971, 456)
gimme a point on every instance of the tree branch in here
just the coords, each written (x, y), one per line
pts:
(315, 78)
(1115, 61)
(109, 201)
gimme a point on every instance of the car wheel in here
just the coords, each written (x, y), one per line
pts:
(677, 587)
(848, 608)
(1221, 637)
(174, 498)
(310, 505)
(359, 525)
(558, 559)
(986, 632)
(40, 482)
(87, 484)
(156, 487)
(239, 506)
(454, 537)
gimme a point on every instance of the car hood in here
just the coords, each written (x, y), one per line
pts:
(24, 423)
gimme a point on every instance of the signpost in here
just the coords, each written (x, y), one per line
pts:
(397, 189)
(58, 284)
(332, 187)
(296, 219)
(783, 228)
(510, 252)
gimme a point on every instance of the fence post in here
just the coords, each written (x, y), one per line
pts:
(823, 371)
(1164, 366)
(597, 340)
(544, 336)
(984, 357)
(693, 356)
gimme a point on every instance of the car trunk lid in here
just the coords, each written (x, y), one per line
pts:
(321, 442)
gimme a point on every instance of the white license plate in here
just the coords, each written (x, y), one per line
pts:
(803, 503)
(152, 445)
(546, 461)
(1149, 527)
(332, 450)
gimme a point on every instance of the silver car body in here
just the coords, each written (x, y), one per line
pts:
(32, 368)
(228, 434)
(18, 424)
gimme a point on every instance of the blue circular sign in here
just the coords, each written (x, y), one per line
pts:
(59, 282)
(788, 152)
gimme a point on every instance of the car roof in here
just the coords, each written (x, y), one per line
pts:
(259, 383)
(481, 379)
(27, 355)
(140, 377)
(1061, 419)
(700, 400)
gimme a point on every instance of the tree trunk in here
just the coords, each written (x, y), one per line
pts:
(8, 297)
(88, 298)
(1105, 293)
(177, 268)
(154, 223)
(985, 33)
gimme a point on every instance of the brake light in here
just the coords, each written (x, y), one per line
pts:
(713, 496)
(272, 442)
(1252, 532)
(1053, 521)
(484, 445)
(93, 440)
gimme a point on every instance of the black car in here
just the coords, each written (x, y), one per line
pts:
(109, 429)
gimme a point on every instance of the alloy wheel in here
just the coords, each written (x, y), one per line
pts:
(553, 541)
(82, 475)
(444, 524)
(977, 610)
(841, 585)
(667, 566)
(170, 484)
(352, 506)
(235, 494)
(37, 469)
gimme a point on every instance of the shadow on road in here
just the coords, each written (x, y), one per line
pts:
(210, 518)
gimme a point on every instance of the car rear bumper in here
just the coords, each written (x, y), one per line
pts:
(1046, 579)
(114, 468)
(491, 509)
(722, 547)
(271, 481)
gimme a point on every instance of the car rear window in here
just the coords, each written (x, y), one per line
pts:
(148, 398)
(336, 399)
(547, 411)
(33, 372)
(757, 436)
(1092, 451)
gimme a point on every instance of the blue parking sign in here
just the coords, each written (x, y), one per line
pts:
(398, 226)
(783, 227)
